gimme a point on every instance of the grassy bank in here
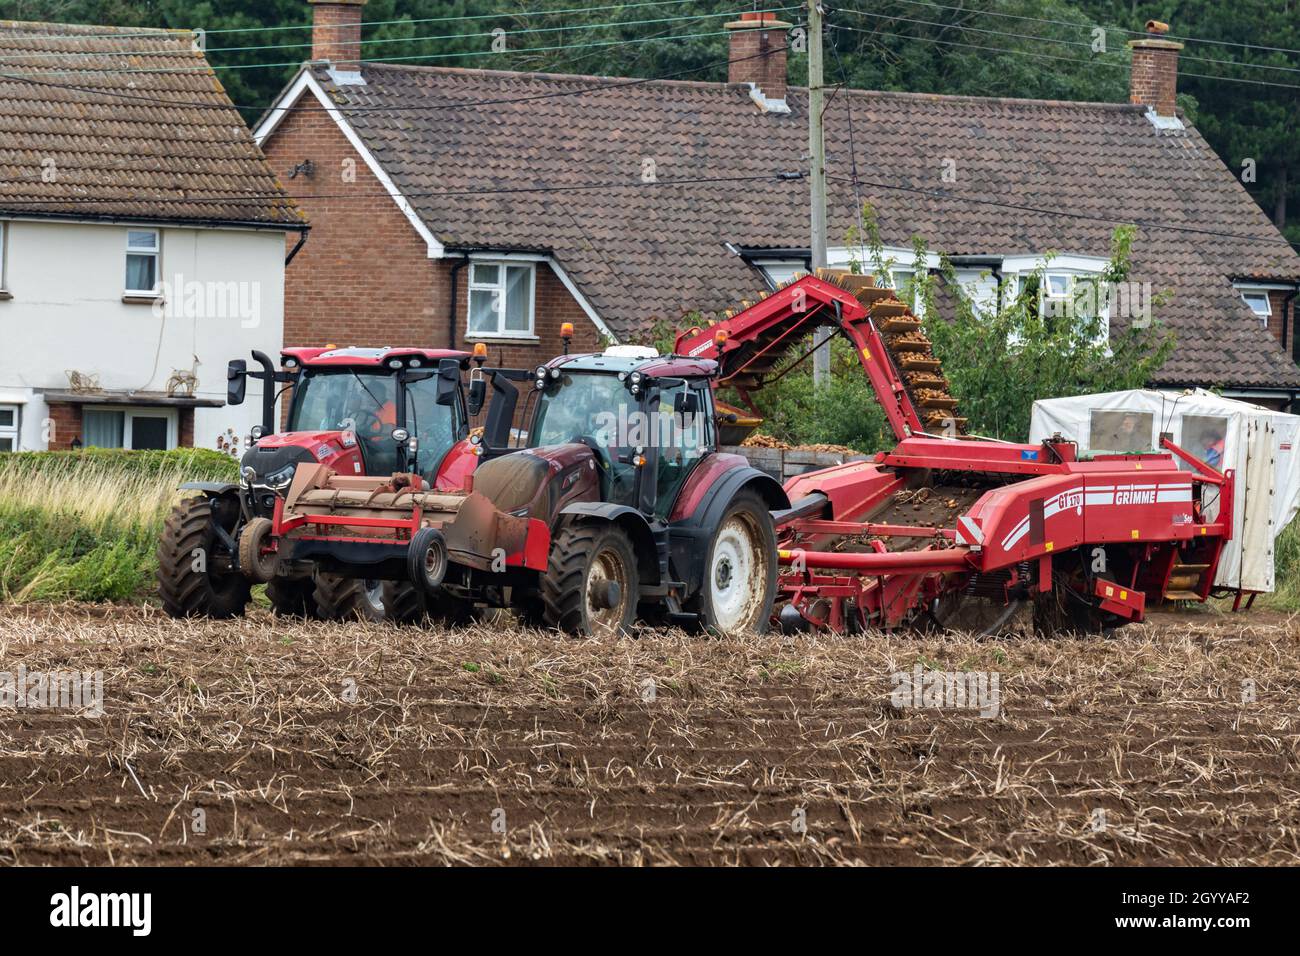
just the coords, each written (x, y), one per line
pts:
(84, 525)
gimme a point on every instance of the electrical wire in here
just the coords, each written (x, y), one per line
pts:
(1052, 56)
(500, 101)
(312, 44)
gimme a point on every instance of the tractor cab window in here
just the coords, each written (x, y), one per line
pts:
(367, 403)
(682, 439)
(436, 426)
(599, 410)
(363, 402)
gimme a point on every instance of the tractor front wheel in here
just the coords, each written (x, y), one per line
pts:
(191, 555)
(591, 586)
(341, 599)
(740, 570)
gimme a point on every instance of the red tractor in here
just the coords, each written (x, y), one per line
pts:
(359, 411)
(620, 506)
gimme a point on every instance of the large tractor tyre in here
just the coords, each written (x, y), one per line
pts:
(404, 603)
(591, 587)
(740, 570)
(293, 597)
(188, 582)
(348, 599)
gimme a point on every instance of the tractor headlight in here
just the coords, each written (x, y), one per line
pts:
(247, 475)
(541, 371)
(281, 478)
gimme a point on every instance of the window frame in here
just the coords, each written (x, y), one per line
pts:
(1263, 317)
(12, 432)
(156, 255)
(142, 411)
(4, 257)
(500, 288)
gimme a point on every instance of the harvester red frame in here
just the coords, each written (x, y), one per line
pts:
(1144, 512)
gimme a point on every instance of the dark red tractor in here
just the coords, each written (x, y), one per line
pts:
(618, 505)
(358, 410)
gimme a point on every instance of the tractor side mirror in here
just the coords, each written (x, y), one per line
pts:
(477, 396)
(686, 404)
(236, 381)
(448, 381)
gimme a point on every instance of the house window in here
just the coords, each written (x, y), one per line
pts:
(501, 299)
(8, 428)
(142, 247)
(139, 429)
(1259, 303)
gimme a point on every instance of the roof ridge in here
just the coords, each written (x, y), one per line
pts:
(428, 69)
(77, 29)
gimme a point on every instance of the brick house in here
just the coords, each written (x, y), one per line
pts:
(451, 206)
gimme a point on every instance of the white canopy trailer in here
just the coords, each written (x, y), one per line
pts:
(1257, 443)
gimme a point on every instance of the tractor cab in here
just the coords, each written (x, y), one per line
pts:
(362, 411)
(648, 420)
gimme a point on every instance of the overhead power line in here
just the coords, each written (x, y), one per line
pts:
(1070, 23)
(603, 25)
(1053, 56)
(1044, 39)
(468, 104)
(257, 197)
(369, 23)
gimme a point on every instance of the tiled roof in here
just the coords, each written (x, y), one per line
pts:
(125, 123)
(641, 251)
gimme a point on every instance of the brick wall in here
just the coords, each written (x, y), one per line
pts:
(364, 277)
(66, 425)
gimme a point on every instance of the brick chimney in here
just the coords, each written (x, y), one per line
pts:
(1154, 80)
(336, 36)
(758, 57)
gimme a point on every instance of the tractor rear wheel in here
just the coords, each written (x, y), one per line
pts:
(341, 599)
(591, 586)
(293, 597)
(404, 603)
(740, 570)
(188, 580)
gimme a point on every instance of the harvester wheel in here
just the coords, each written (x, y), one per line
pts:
(740, 571)
(188, 580)
(1070, 607)
(590, 587)
(404, 603)
(293, 597)
(339, 599)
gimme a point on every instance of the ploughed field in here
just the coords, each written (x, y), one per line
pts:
(300, 743)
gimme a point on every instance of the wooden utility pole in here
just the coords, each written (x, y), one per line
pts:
(817, 172)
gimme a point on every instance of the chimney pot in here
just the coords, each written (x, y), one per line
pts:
(757, 56)
(1153, 81)
(336, 36)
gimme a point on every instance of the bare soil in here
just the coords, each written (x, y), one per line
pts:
(363, 744)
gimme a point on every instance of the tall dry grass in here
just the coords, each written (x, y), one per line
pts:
(81, 530)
